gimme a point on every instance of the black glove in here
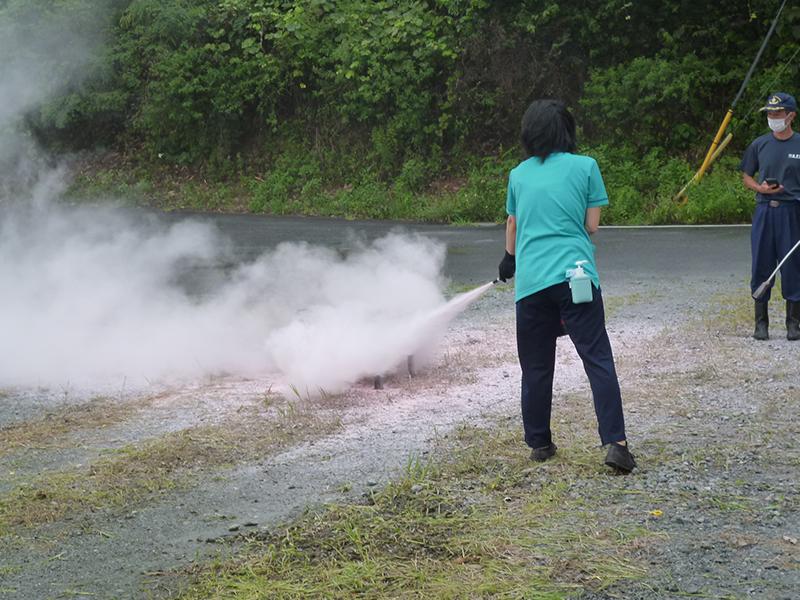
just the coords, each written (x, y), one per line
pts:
(507, 267)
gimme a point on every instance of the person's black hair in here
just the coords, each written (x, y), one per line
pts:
(547, 127)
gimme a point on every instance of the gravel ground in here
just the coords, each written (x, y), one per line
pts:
(712, 418)
(716, 418)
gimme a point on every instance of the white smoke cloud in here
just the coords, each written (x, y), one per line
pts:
(89, 296)
(46, 46)
(369, 314)
(47, 49)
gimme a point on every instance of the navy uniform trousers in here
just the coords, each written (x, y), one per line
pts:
(538, 325)
(775, 230)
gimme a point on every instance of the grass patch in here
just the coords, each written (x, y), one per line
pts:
(9, 570)
(135, 472)
(730, 503)
(485, 522)
(614, 304)
(730, 311)
(176, 189)
(346, 181)
(44, 432)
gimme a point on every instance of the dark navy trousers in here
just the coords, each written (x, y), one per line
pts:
(538, 325)
(775, 230)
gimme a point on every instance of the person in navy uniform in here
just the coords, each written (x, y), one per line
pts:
(775, 158)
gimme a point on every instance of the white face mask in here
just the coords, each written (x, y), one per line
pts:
(777, 125)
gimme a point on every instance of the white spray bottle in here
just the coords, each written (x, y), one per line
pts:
(580, 283)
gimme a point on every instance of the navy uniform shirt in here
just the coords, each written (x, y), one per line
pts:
(780, 159)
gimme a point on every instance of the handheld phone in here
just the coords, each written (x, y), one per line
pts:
(771, 182)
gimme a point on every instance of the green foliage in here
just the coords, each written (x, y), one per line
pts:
(192, 80)
(388, 108)
(483, 198)
(216, 74)
(303, 182)
(290, 178)
(719, 198)
(637, 101)
(642, 191)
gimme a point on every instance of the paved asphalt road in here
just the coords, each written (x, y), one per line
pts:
(623, 253)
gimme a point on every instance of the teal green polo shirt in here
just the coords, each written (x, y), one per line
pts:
(549, 201)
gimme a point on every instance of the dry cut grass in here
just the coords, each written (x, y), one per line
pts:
(51, 431)
(135, 472)
(483, 523)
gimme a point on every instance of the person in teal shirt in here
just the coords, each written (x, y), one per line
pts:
(553, 205)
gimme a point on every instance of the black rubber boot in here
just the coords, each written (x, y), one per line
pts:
(762, 321)
(792, 320)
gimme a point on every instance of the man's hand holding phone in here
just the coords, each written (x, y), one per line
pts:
(770, 185)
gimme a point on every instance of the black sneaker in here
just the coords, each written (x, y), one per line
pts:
(620, 458)
(543, 453)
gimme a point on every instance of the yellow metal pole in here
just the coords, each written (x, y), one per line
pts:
(681, 196)
(712, 151)
(714, 144)
(721, 147)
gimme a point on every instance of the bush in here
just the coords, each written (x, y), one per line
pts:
(330, 103)
(719, 198)
(643, 191)
(291, 178)
(651, 102)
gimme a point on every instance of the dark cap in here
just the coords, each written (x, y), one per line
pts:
(780, 101)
